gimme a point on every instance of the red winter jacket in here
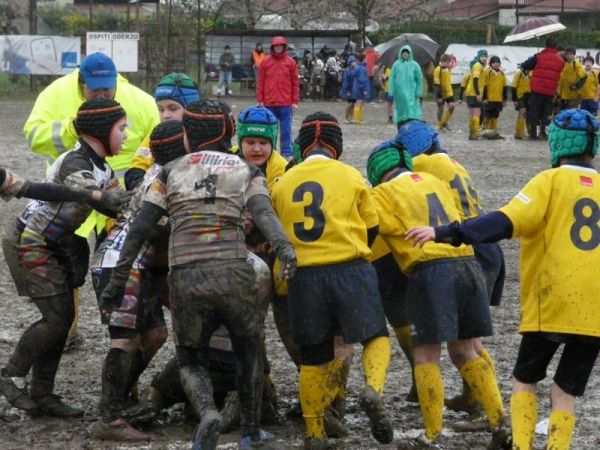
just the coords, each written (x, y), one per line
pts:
(546, 72)
(278, 81)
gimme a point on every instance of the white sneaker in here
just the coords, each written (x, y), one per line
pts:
(230, 92)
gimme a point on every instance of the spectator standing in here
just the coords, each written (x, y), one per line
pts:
(258, 56)
(332, 73)
(371, 61)
(406, 87)
(226, 62)
(546, 66)
(278, 89)
(591, 89)
(572, 79)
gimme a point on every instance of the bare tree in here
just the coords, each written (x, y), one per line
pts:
(361, 10)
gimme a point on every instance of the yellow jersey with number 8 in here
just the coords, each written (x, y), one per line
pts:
(325, 207)
(414, 199)
(557, 217)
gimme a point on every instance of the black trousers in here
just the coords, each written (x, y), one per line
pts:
(540, 110)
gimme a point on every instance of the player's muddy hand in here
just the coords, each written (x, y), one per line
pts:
(420, 235)
(115, 202)
(287, 256)
(112, 297)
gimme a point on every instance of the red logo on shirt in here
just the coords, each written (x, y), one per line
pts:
(586, 181)
(416, 177)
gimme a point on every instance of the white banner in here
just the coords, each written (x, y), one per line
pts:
(510, 56)
(39, 55)
(122, 47)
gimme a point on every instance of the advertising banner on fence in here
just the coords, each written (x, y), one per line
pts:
(39, 55)
(509, 55)
(122, 47)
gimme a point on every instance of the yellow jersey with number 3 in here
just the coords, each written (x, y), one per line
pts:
(325, 207)
(557, 217)
(449, 170)
(409, 200)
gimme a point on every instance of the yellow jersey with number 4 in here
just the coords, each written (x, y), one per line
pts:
(409, 200)
(325, 207)
(449, 170)
(557, 217)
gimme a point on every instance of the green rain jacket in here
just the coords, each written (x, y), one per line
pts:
(406, 87)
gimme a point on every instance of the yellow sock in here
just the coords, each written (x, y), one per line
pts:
(440, 123)
(403, 337)
(485, 355)
(475, 126)
(338, 374)
(560, 430)
(447, 116)
(482, 382)
(375, 361)
(357, 113)
(317, 390)
(523, 415)
(520, 130)
(430, 388)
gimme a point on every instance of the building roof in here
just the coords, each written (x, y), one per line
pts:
(467, 9)
(554, 6)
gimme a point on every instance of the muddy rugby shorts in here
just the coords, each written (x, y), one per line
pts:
(392, 288)
(333, 299)
(447, 301)
(141, 307)
(207, 294)
(491, 260)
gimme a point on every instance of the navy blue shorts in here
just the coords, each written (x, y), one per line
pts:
(575, 365)
(392, 288)
(472, 102)
(447, 301)
(491, 260)
(335, 299)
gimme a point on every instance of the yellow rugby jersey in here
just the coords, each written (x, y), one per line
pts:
(590, 88)
(476, 73)
(571, 73)
(449, 170)
(325, 207)
(442, 76)
(379, 249)
(413, 199)
(557, 217)
(494, 82)
(521, 83)
(142, 159)
(387, 73)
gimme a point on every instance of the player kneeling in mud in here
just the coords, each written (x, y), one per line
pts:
(446, 293)
(211, 283)
(556, 215)
(41, 267)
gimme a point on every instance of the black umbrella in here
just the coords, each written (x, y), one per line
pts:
(424, 48)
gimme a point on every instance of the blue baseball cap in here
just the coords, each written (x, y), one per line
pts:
(98, 72)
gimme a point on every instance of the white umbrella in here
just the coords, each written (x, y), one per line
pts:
(532, 28)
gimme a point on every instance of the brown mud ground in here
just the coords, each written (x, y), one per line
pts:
(499, 169)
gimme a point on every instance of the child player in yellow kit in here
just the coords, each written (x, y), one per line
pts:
(521, 92)
(442, 85)
(590, 93)
(557, 216)
(446, 291)
(494, 97)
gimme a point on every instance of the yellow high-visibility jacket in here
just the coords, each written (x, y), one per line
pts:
(49, 130)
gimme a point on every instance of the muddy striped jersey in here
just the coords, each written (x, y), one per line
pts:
(414, 199)
(204, 194)
(81, 168)
(557, 217)
(109, 250)
(325, 208)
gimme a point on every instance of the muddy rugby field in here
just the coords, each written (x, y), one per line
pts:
(499, 169)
